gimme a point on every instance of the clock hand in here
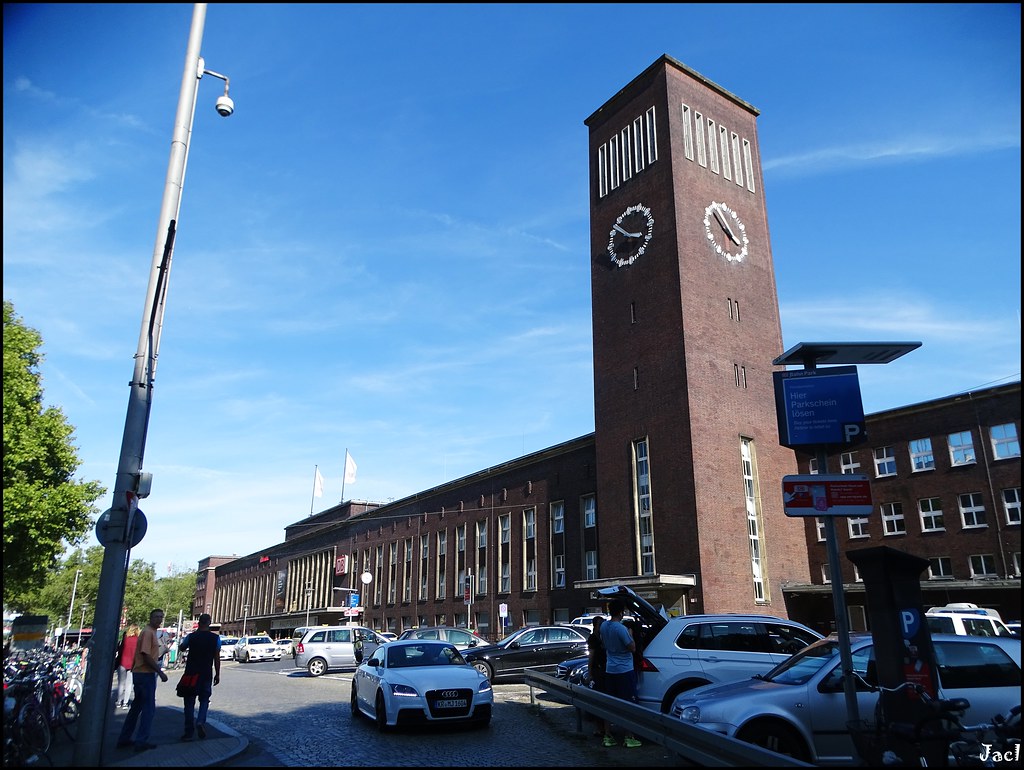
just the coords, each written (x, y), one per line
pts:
(628, 235)
(725, 226)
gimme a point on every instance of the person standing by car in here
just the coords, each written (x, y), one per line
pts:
(203, 647)
(125, 659)
(596, 661)
(145, 670)
(620, 676)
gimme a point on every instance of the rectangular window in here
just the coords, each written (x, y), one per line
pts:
(698, 134)
(893, 522)
(723, 145)
(442, 564)
(559, 569)
(983, 565)
(602, 171)
(1011, 505)
(848, 463)
(921, 457)
(589, 511)
(591, 564)
(424, 565)
(639, 161)
(529, 524)
(826, 573)
(481, 535)
(812, 466)
(505, 524)
(1004, 441)
(931, 514)
(627, 155)
(713, 145)
(736, 159)
(940, 568)
(644, 514)
(531, 574)
(858, 527)
(819, 526)
(972, 510)
(652, 137)
(885, 461)
(748, 161)
(748, 468)
(558, 517)
(961, 448)
(506, 578)
(460, 538)
(687, 133)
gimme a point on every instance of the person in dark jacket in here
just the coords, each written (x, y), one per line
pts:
(203, 647)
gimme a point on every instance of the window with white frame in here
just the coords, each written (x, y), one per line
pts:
(961, 448)
(460, 538)
(858, 526)
(972, 510)
(481, 556)
(590, 559)
(1004, 441)
(1016, 563)
(531, 574)
(559, 570)
(505, 525)
(506, 578)
(529, 524)
(921, 457)
(393, 573)
(589, 511)
(819, 527)
(442, 559)
(940, 568)
(424, 565)
(893, 522)
(644, 514)
(848, 463)
(856, 575)
(983, 565)
(885, 461)
(748, 470)
(812, 466)
(558, 517)
(407, 576)
(930, 509)
(826, 573)
(1011, 505)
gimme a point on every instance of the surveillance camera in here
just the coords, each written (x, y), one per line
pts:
(225, 106)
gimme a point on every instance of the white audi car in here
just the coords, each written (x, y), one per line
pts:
(419, 682)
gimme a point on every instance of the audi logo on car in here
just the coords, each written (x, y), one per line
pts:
(449, 693)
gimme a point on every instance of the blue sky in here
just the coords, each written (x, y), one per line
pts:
(385, 248)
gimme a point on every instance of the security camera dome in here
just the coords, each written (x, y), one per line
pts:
(225, 106)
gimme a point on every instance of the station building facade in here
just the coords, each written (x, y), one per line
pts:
(677, 493)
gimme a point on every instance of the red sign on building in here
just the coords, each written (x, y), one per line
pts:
(820, 495)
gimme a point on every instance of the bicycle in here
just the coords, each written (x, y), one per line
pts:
(990, 744)
(27, 735)
(909, 744)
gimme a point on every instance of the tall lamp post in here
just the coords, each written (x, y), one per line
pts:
(122, 526)
(81, 623)
(245, 617)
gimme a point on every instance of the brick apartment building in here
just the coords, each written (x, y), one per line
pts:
(677, 492)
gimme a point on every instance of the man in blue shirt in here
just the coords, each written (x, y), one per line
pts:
(620, 675)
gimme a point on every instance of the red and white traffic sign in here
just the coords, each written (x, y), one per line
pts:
(827, 495)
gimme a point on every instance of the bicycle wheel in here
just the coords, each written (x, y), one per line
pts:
(69, 709)
(35, 730)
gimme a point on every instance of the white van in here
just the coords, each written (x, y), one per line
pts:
(964, 623)
(331, 647)
(965, 608)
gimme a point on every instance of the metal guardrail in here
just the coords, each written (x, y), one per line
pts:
(695, 744)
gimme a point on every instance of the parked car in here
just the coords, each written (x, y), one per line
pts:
(417, 682)
(287, 647)
(459, 637)
(965, 624)
(391, 636)
(250, 648)
(575, 671)
(536, 648)
(694, 650)
(799, 707)
(1014, 626)
(332, 647)
(586, 622)
(227, 647)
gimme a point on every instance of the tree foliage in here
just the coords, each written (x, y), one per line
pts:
(45, 507)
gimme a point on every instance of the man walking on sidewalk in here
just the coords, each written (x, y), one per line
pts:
(203, 647)
(145, 670)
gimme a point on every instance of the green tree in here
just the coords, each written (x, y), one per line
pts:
(45, 507)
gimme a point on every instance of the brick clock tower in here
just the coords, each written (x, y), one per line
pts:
(686, 324)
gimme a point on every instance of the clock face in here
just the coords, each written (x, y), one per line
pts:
(725, 231)
(629, 236)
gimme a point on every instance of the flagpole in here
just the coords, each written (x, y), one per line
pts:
(344, 473)
(316, 469)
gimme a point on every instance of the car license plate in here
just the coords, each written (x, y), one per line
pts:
(451, 703)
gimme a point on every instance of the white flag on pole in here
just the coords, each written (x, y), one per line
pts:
(318, 485)
(350, 468)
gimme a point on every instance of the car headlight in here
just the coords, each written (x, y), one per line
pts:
(690, 714)
(404, 691)
(485, 686)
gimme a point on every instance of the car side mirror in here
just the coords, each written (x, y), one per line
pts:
(514, 646)
(473, 643)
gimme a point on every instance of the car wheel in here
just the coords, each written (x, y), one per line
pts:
(354, 702)
(670, 696)
(247, 658)
(777, 737)
(381, 712)
(317, 667)
(484, 668)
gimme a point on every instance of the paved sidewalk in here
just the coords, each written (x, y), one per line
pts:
(221, 743)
